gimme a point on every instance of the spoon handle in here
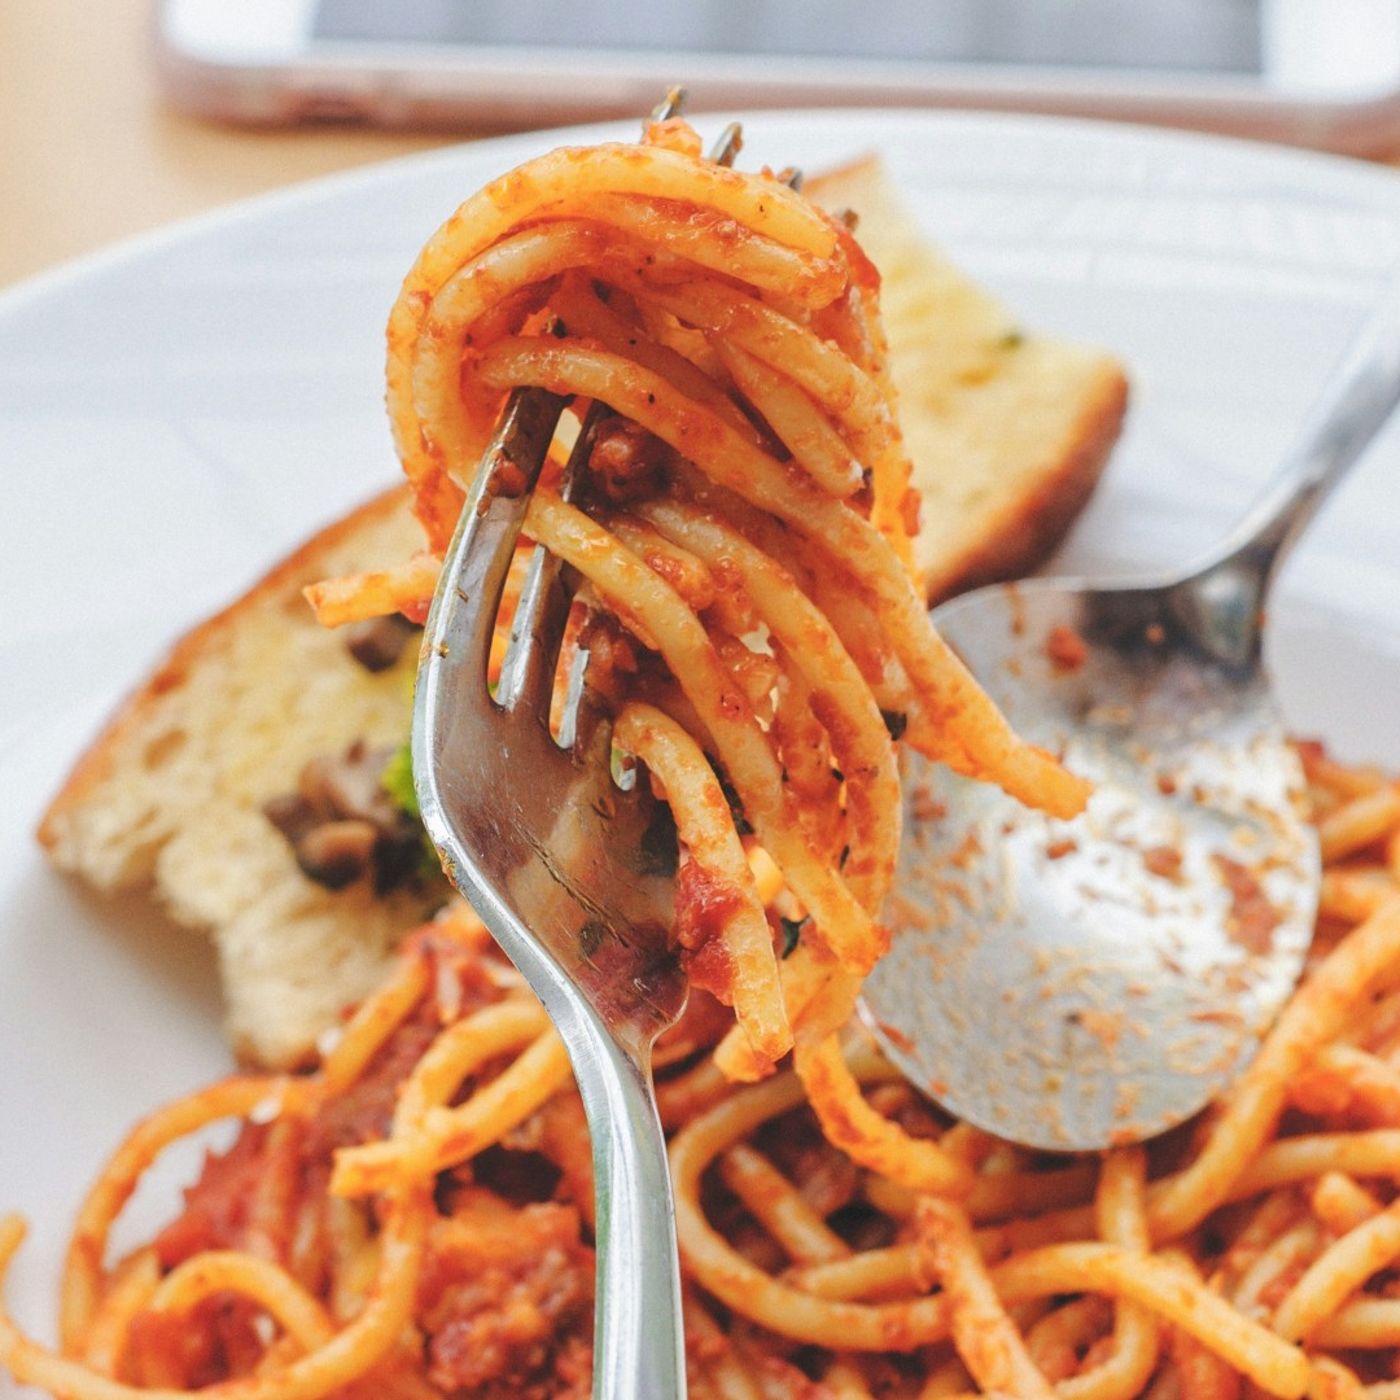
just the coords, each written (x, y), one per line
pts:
(1358, 397)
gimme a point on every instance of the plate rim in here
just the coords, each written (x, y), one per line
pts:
(1333, 166)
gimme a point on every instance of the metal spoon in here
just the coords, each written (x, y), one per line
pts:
(1072, 985)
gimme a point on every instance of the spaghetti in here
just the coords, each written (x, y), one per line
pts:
(413, 1218)
(747, 474)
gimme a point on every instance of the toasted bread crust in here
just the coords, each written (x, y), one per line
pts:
(1029, 530)
(284, 579)
(1035, 506)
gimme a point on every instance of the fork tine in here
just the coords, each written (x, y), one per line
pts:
(569, 871)
(729, 144)
(669, 106)
(537, 629)
(464, 617)
(480, 556)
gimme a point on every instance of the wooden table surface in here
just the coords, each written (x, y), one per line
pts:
(89, 154)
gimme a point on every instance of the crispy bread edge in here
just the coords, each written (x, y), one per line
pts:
(282, 580)
(1029, 530)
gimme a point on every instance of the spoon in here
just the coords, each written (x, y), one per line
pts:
(1072, 985)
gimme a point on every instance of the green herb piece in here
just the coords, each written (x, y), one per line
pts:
(896, 721)
(792, 930)
(397, 781)
(1012, 340)
(736, 808)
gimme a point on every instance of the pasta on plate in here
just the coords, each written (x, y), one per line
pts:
(413, 1217)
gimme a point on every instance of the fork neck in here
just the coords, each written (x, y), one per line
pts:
(1223, 600)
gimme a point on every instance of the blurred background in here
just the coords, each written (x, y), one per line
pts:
(122, 115)
(90, 152)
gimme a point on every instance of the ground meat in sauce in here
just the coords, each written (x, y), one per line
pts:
(612, 652)
(828, 1179)
(216, 1206)
(626, 461)
(364, 1112)
(514, 1321)
(704, 907)
(518, 1319)
(218, 1338)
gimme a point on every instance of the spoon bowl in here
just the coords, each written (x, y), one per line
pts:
(1072, 985)
(1097, 980)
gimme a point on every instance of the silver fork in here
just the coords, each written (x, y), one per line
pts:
(563, 868)
(570, 873)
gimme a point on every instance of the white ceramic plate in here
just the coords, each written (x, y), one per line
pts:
(176, 413)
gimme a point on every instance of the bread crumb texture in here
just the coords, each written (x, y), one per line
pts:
(171, 794)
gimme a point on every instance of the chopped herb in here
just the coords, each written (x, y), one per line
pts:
(845, 856)
(397, 781)
(736, 808)
(1013, 339)
(792, 930)
(838, 775)
(896, 721)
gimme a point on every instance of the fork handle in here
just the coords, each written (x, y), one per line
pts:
(639, 1347)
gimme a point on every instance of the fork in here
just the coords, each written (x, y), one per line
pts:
(570, 872)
